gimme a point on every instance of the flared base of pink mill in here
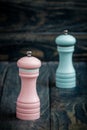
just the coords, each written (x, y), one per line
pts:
(25, 111)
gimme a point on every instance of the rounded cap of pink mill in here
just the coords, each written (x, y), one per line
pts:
(29, 62)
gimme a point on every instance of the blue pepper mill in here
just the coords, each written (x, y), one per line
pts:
(65, 74)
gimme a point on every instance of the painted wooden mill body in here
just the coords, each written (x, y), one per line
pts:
(65, 74)
(28, 102)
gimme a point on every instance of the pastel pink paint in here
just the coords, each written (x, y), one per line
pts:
(28, 102)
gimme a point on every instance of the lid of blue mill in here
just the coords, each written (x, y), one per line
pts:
(65, 39)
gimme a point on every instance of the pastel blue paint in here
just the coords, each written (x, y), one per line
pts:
(36, 70)
(65, 73)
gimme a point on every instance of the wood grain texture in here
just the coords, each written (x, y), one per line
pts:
(30, 24)
(69, 106)
(11, 88)
(43, 16)
(3, 71)
(43, 46)
(68, 112)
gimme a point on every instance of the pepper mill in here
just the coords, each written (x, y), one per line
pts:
(28, 102)
(65, 73)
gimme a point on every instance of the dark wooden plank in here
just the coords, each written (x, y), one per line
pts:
(43, 46)
(35, 24)
(43, 16)
(3, 72)
(69, 106)
(11, 89)
(68, 112)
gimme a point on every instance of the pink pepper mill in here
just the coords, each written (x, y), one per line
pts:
(28, 102)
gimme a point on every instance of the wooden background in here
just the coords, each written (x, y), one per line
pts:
(34, 25)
